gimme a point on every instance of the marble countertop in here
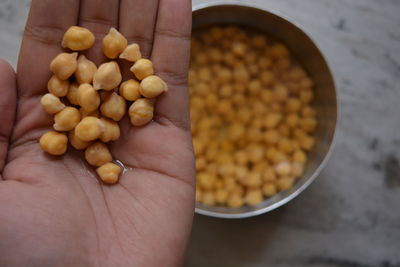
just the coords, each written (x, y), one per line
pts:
(350, 216)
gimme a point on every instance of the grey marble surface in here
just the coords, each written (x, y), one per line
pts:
(351, 215)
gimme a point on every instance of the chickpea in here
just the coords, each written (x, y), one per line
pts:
(255, 153)
(88, 98)
(286, 145)
(57, 87)
(308, 124)
(215, 55)
(85, 70)
(107, 77)
(264, 63)
(267, 96)
(241, 157)
(268, 174)
(253, 179)
(114, 43)
(297, 169)
(114, 107)
(269, 189)
(201, 163)
(66, 119)
(306, 142)
(51, 103)
(142, 68)
(293, 105)
(229, 183)
(306, 96)
(199, 194)
(97, 154)
(259, 41)
(255, 87)
(306, 83)
(239, 49)
(72, 95)
(226, 169)
(85, 113)
(299, 156)
(64, 65)
(221, 196)
(241, 173)
(253, 197)
(285, 183)
(131, 53)
(292, 120)
(272, 120)
(308, 111)
(280, 92)
(241, 75)
(283, 168)
(271, 136)
(152, 86)
(235, 201)
(278, 51)
(208, 198)
(226, 90)
(111, 130)
(206, 180)
(204, 74)
(141, 111)
(89, 129)
(54, 143)
(109, 173)
(266, 78)
(130, 90)
(78, 39)
(76, 142)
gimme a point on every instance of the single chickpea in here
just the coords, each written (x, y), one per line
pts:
(251, 60)
(244, 115)
(282, 64)
(201, 58)
(306, 96)
(258, 41)
(72, 95)
(236, 131)
(224, 158)
(114, 107)
(221, 196)
(255, 87)
(239, 49)
(107, 77)
(224, 107)
(264, 63)
(253, 179)
(306, 83)
(131, 53)
(235, 201)
(276, 107)
(241, 75)
(89, 129)
(98, 154)
(130, 90)
(229, 183)
(114, 43)
(85, 70)
(241, 157)
(206, 180)
(254, 134)
(152, 86)
(111, 130)
(58, 87)
(198, 146)
(237, 189)
(306, 142)
(204, 74)
(241, 173)
(269, 189)
(215, 55)
(66, 119)
(259, 110)
(279, 157)
(238, 99)
(51, 103)
(271, 136)
(78, 39)
(142, 68)
(296, 73)
(283, 168)
(208, 198)
(226, 169)
(211, 153)
(308, 124)
(272, 120)
(240, 88)
(54, 143)
(267, 96)
(109, 173)
(308, 111)
(211, 100)
(253, 197)
(216, 32)
(293, 104)
(201, 89)
(292, 120)
(64, 65)
(268, 174)
(76, 142)
(85, 113)
(226, 90)
(299, 156)
(285, 183)
(229, 59)
(285, 145)
(278, 51)
(297, 169)
(280, 93)
(266, 78)
(201, 163)
(141, 111)
(88, 98)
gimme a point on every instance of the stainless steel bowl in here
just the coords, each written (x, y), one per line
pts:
(308, 54)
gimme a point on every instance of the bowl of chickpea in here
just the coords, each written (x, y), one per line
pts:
(263, 108)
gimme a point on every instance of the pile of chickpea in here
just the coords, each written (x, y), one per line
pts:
(252, 116)
(88, 101)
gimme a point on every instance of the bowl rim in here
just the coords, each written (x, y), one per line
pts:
(328, 155)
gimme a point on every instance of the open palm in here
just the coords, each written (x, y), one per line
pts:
(53, 210)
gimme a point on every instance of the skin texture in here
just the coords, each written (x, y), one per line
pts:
(53, 210)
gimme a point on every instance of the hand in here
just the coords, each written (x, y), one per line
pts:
(53, 210)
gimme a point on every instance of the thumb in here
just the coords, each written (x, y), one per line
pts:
(8, 102)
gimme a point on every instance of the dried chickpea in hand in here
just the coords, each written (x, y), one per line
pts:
(107, 77)
(111, 130)
(64, 65)
(85, 70)
(142, 68)
(51, 103)
(76, 142)
(109, 173)
(152, 86)
(54, 143)
(131, 53)
(72, 95)
(141, 111)
(78, 39)
(114, 43)
(130, 90)
(98, 154)
(66, 119)
(88, 98)
(89, 129)
(114, 107)
(57, 87)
